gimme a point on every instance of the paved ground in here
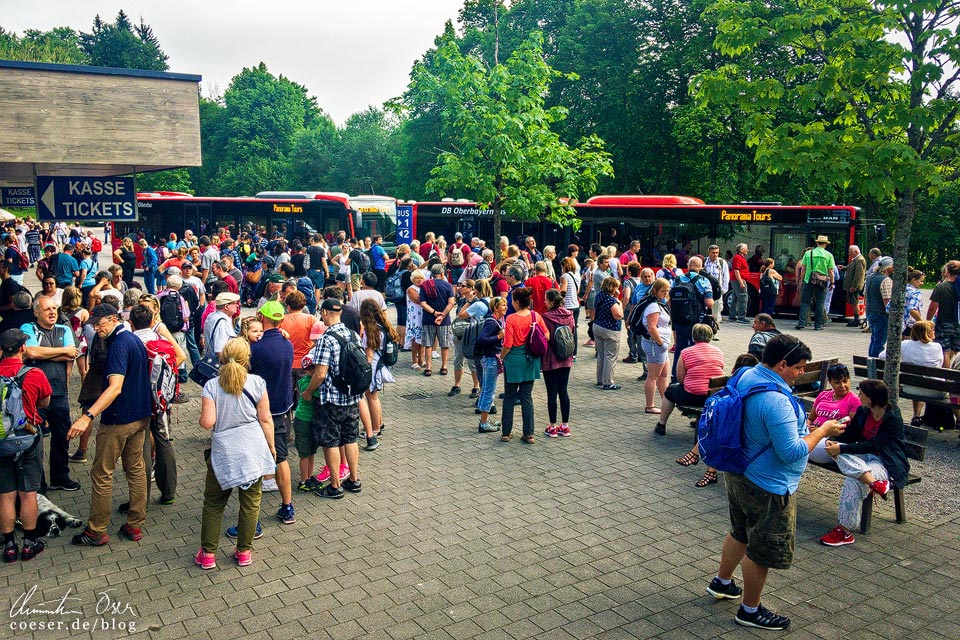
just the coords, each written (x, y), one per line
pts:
(457, 535)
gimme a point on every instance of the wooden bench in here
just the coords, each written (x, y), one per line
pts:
(808, 384)
(915, 447)
(914, 375)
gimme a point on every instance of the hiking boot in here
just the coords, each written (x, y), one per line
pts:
(205, 560)
(129, 533)
(763, 618)
(880, 487)
(353, 486)
(232, 532)
(329, 491)
(79, 456)
(31, 549)
(90, 539)
(11, 552)
(286, 514)
(722, 591)
(490, 426)
(308, 485)
(837, 537)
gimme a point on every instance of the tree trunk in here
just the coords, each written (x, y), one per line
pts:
(906, 209)
(496, 232)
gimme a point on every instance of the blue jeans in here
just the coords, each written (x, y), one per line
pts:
(878, 333)
(684, 340)
(768, 305)
(192, 348)
(488, 382)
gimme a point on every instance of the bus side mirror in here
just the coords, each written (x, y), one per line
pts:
(881, 231)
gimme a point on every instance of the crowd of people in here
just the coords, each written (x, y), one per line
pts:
(276, 374)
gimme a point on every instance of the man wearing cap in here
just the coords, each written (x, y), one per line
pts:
(218, 327)
(24, 475)
(436, 299)
(271, 358)
(123, 426)
(51, 348)
(877, 289)
(815, 270)
(336, 415)
(458, 263)
(272, 289)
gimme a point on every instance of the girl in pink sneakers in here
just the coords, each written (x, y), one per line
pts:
(871, 454)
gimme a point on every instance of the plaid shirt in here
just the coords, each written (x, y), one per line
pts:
(327, 352)
(914, 300)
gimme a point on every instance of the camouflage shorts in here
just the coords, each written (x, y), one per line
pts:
(765, 522)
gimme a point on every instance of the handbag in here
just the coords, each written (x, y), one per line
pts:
(207, 368)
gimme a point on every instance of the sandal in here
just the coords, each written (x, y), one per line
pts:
(689, 459)
(443, 371)
(709, 477)
(415, 366)
(916, 422)
(652, 410)
(506, 438)
(427, 372)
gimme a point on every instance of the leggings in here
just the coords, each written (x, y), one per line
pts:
(556, 381)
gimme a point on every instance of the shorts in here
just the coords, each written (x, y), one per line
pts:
(355, 280)
(459, 359)
(676, 394)
(655, 353)
(317, 278)
(948, 336)
(443, 334)
(281, 426)
(592, 300)
(303, 438)
(337, 426)
(24, 473)
(341, 277)
(765, 522)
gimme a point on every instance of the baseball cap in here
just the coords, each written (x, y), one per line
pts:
(331, 305)
(276, 278)
(173, 271)
(102, 311)
(317, 330)
(271, 309)
(13, 339)
(226, 298)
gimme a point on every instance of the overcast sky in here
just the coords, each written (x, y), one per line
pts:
(348, 53)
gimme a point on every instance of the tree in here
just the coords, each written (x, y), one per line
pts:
(60, 45)
(870, 102)
(123, 45)
(362, 157)
(501, 145)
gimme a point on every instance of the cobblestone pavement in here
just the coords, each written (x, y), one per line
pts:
(457, 535)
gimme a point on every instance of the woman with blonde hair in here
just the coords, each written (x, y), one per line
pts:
(414, 335)
(235, 406)
(127, 259)
(921, 349)
(668, 268)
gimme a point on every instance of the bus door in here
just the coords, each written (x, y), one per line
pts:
(196, 218)
(786, 248)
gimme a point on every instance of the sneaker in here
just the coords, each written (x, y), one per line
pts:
(474, 393)
(232, 532)
(353, 486)
(329, 491)
(89, 539)
(129, 533)
(32, 549)
(551, 432)
(308, 485)
(324, 476)
(372, 443)
(722, 591)
(286, 514)
(205, 560)
(454, 391)
(11, 552)
(630, 360)
(66, 485)
(880, 487)
(79, 456)
(243, 558)
(270, 485)
(344, 471)
(563, 431)
(762, 619)
(124, 507)
(167, 501)
(490, 426)
(837, 537)
(660, 429)
(180, 398)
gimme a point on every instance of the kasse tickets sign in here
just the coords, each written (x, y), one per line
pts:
(86, 198)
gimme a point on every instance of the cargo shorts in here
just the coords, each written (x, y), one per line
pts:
(765, 522)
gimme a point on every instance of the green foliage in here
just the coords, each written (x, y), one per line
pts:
(60, 45)
(123, 44)
(170, 180)
(362, 156)
(501, 148)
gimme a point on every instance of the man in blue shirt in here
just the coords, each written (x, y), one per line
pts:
(150, 264)
(763, 510)
(123, 426)
(378, 263)
(67, 268)
(683, 328)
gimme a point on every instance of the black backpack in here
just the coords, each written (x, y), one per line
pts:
(389, 351)
(171, 311)
(686, 303)
(768, 288)
(635, 321)
(714, 285)
(354, 372)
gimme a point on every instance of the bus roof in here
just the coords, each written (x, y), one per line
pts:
(652, 200)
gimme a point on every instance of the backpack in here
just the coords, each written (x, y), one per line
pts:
(163, 374)
(15, 437)
(362, 262)
(468, 341)
(537, 342)
(389, 351)
(720, 429)
(456, 256)
(767, 287)
(22, 260)
(171, 311)
(686, 303)
(714, 285)
(305, 286)
(354, 373)
(582, 289)
(563, 343)
(482, 271)
(393, 290)
(636, 296)
(635, 322)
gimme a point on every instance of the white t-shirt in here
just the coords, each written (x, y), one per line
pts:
(663, 322)
(916, 352)
(367, 294)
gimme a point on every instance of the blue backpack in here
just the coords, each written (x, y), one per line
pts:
(305, 286)
(720, 430)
